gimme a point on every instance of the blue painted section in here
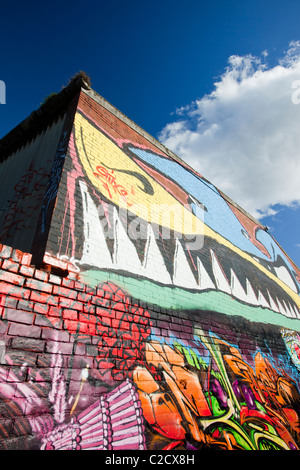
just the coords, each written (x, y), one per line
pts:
(219, 216)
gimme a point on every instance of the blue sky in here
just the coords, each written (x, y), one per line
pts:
(212, 80)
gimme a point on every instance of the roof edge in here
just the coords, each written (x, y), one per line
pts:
(56, 105)
(53, 107)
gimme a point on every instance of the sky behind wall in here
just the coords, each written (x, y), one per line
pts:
(215, 81)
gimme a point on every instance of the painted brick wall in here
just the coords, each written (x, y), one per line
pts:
(115, 341)
(84, 368)
(55, 334)
(111, 171)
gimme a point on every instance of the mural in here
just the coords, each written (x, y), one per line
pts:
(23, 178)
(162, 317)
(133, 389)
(168, 232)
(78, 401)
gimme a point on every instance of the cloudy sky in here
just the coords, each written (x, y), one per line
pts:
(244, 135)
(217, 82)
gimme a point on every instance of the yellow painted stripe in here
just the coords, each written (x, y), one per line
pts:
(98, 154)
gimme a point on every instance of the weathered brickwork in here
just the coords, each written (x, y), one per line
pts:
(152, 314)
(71, 353)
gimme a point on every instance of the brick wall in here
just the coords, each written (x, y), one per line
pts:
(52, 329)
(108, 341)
(75, 358)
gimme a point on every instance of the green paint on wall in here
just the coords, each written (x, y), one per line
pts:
(176, 298)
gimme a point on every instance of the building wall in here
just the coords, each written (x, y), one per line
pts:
(24, 177)
(127, 212)
(174, 328)
(86, 368)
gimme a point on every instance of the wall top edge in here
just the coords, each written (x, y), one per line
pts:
(54, 107)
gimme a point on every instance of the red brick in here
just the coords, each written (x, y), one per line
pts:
(41, 275)
(14, 291)
(65, 292)
(55, 262)
(71, 325)
(89, 309)
(25, 305)
(5, 252)
(54, 311)
(70, 303)
(54, 279)
(68, 283)
(83, 297)
(50, 334)
(79, 286)
(10, 265)
(17, 255)
(17, 329)
(38, 285)
(70, 314)
(11, 278)
(89, 290)
(104, 312)
(105, 321)
(43, 297)
(19, 316)
(26, 259)
(10, 302)
(26, 271)
(41, 308)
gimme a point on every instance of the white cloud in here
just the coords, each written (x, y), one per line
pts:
(245, 136)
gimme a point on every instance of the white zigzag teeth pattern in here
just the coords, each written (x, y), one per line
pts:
(252, 299)
(94, 253)
(273, 304)
(221, 280)
(125, 253)
(283, 274)
(262, 301)
(237, 289)
(125, 258)
(182, 274)
(153, 261)
(205, 281)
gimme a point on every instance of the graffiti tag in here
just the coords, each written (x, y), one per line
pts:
(110, 183)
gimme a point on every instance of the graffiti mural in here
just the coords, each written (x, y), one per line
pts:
(224, 404)
(76, 401)
(133, 389)
(161, 317)
(163, 226)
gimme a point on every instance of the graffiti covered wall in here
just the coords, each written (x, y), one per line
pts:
(129, 213)
(94, 368)
(163, 316)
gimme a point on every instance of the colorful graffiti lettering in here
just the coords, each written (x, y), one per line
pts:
(130, 380)
(110, 182)
(225, 404)
(114, 341)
